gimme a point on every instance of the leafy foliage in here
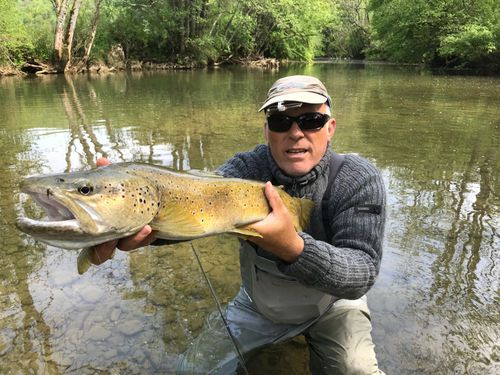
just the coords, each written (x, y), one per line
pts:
(435, 32)
(348, 35)
(14, 40)
(472, 42)
(38, 18)
(438, 32)
(214, 30)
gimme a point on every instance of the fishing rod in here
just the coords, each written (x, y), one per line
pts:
(219, 307)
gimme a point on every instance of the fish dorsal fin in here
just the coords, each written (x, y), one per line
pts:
(179, 222)
(201, 173)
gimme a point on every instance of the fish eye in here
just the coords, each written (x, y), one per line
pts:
(85, 189)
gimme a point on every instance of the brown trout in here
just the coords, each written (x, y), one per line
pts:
(91, 207)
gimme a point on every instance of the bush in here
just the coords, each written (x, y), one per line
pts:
(472, 43)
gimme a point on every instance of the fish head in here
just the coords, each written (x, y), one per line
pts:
(88, 207)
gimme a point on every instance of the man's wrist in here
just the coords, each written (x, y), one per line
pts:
(295, 250)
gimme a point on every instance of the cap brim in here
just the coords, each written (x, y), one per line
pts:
(303, 97)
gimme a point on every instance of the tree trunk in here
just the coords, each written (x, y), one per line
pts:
(71, 32)
(61, 8)
(90, 41)
(64, 32)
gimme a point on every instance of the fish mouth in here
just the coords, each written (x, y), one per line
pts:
(54, 210)
(64, 217)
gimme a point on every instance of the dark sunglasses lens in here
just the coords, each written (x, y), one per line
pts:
(308, 121)
(313, 121)
(279, 123)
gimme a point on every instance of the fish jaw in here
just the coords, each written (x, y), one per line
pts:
(69, 224)
(53, 232)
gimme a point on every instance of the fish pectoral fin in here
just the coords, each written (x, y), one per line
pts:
(83, 262)
(179, 221)
(245, 232)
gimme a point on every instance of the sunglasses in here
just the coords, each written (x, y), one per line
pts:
(307, 122)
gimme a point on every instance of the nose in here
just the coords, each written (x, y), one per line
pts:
(295, 131)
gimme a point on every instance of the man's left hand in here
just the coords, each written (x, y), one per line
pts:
(278, 233)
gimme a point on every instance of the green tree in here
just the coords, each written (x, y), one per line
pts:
(349, 34)
(205, 31)
(14, 40)
(38, 19)
(289, 29)
(472, 42)
(450, 32)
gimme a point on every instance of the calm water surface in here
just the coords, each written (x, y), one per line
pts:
(435, 306)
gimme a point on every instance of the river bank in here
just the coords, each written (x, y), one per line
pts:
(118, 64)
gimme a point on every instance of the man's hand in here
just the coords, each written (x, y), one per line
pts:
(105, 251)
(278, 233)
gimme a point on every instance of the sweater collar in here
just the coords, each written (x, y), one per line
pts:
(281, 178)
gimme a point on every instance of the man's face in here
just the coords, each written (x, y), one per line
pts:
(298, 151)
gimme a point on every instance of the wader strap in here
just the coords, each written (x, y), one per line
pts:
(336, 163)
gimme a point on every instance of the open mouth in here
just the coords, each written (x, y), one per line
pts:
(296, 151)
(54, 210)
(58, 216)
(69, 222)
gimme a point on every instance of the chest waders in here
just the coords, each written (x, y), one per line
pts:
(281, 298)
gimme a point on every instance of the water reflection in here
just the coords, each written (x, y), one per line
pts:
(435, 306)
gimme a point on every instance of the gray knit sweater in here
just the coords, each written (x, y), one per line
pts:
(346, 265)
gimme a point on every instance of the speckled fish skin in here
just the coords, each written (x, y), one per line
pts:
(90, 207)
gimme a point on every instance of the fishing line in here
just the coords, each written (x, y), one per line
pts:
(219, 307)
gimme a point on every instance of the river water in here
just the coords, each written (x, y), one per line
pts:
(435, 306)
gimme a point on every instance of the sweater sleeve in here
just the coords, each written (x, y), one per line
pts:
(348, 264)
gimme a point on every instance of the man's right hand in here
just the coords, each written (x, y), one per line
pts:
(105, 251)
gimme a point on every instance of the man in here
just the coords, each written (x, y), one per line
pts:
(313, 282)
